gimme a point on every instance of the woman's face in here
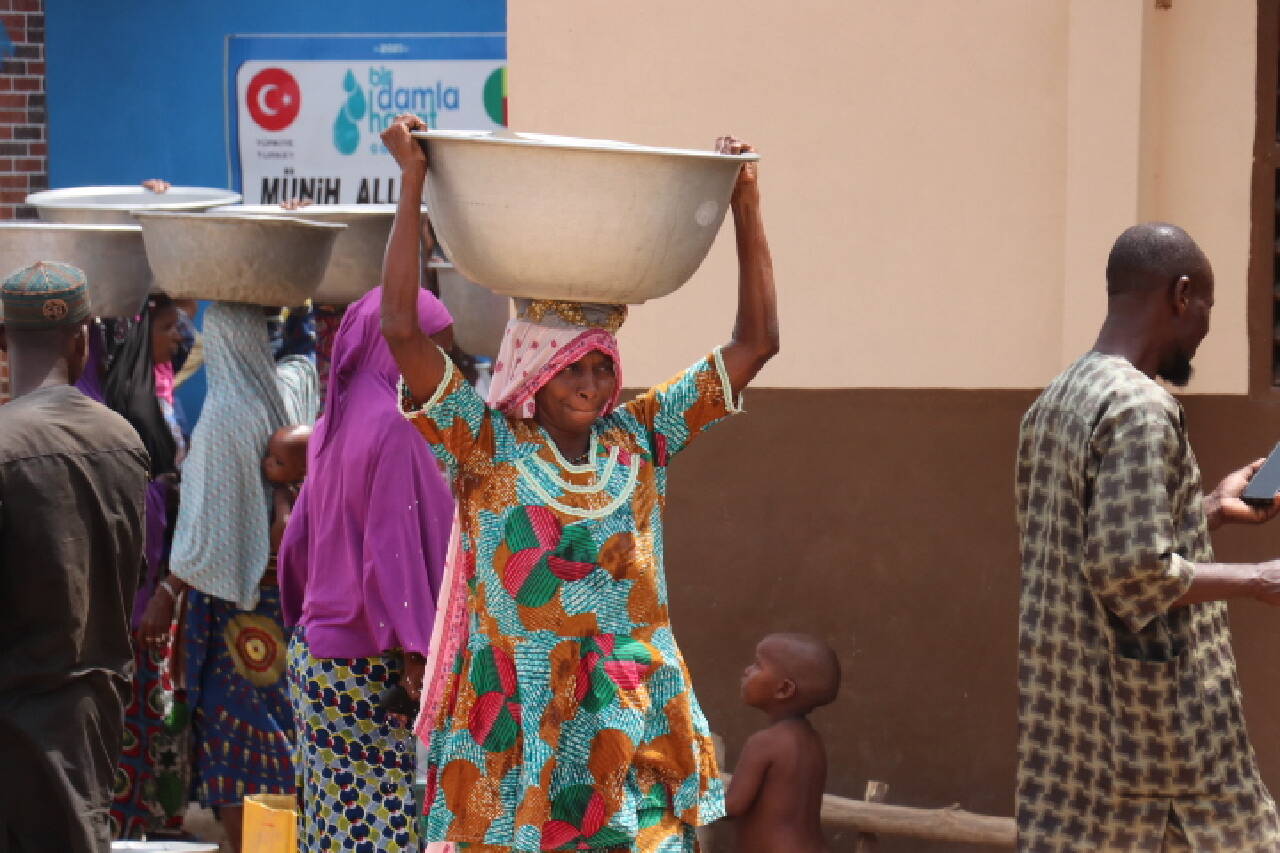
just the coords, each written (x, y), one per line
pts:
(577, 395)
(165, 337)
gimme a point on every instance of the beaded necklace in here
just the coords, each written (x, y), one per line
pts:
(533, 470)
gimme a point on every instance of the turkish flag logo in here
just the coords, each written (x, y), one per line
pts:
(273, 98)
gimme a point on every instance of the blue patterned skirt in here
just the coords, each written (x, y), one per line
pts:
(355, 767)
(242, 721)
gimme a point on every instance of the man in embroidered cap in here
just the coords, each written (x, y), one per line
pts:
(72, 481)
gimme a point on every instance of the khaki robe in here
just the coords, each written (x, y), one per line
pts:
(1129, 711)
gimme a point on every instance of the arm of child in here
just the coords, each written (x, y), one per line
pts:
(749, 775)
(282, 505)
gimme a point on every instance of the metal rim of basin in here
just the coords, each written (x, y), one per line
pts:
(269, 220)
(318, 211)
(572, 143)
(73, 198)
(37, 225)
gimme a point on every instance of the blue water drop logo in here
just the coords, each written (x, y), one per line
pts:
(346, 131)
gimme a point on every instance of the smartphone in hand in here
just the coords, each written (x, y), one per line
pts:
(1264, 485)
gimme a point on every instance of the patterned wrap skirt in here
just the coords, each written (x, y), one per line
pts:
(154, 773)
(355, 768)
(242, 721)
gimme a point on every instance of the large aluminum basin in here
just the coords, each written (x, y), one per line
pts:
(551, 217)
(264, 260)
(479, 315)
(355, 267)
(112, 257)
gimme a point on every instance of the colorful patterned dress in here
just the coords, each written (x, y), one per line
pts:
(154, 773)
(355, 764)
(570, 723)
(241, 717)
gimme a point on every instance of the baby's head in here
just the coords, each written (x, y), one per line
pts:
(286, 459)
(791, 674)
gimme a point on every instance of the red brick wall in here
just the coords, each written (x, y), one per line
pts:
(23, 140)
(23, 146)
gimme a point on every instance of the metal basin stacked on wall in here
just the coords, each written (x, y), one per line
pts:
(112, 257)
(117, 204)
(264, 260)
(551, 217)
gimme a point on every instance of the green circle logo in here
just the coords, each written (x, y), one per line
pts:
(495, 96)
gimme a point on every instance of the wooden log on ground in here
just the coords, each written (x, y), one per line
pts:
(875, 793)
(948, 824)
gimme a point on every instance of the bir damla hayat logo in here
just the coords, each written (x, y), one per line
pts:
(383, 101)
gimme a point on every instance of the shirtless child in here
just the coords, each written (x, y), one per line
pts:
(285, 467)
(775, 798)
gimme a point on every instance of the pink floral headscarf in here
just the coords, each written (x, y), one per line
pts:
(532, 353)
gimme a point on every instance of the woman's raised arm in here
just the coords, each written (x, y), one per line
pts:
(418, 358)
(755, 332)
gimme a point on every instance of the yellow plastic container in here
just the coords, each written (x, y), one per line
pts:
(270, 824)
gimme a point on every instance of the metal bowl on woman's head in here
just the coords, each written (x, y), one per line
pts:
(111, 256)
(263, 260)
(355, 268)
(552, 217)
(479, 314)
(355, 264)
(117, 204)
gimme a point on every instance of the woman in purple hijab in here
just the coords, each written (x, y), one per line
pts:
(359, 568)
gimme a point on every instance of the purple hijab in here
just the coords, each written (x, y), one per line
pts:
(361, 560)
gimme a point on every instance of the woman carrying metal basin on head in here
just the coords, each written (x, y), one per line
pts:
(559, 713)
(233, 638)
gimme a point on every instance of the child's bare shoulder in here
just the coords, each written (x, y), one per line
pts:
(779, 736)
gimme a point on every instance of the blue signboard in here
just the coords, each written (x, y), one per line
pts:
(304, 112)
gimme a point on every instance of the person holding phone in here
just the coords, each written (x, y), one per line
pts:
(1131, 731)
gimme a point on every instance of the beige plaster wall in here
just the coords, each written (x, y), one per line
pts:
(1103, 116)
(1199, 79)
(942, 180)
